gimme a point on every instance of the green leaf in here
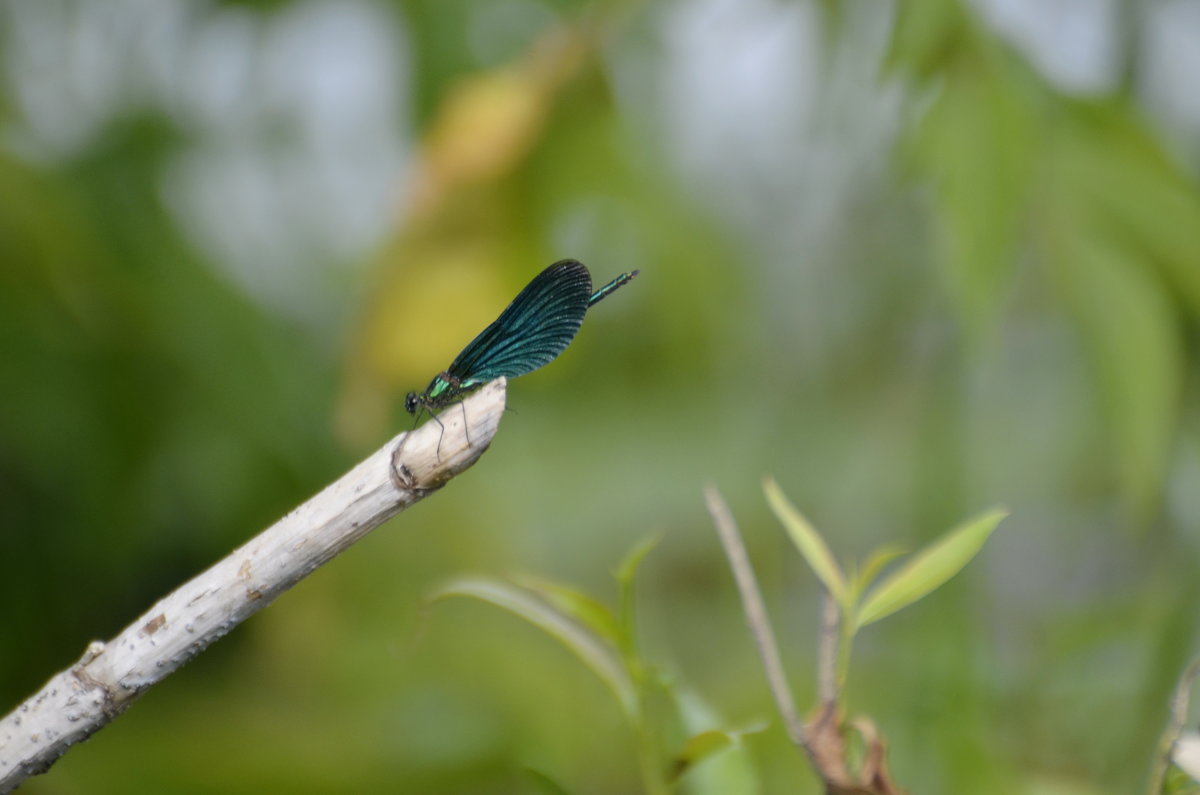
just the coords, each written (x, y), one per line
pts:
(929, 569)
(976, 147)
(633, 559)
(626, 616)
(1129, 324)
(698, 748)
(814, 549)
(925, 35)
(1136, 195)
(597, 655)
(1134, 339)
(585, 609)
(1118, 235)
(728, 766)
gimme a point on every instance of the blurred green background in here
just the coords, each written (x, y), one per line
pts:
(912, 259)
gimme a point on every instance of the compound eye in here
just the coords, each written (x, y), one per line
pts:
(411, 403)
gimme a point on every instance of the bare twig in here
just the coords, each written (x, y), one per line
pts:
(827, 650)
(822, 738)
(756, 614)
(82, 699)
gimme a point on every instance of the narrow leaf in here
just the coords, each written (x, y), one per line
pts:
(1135, 192)
(727, 764)
(591, 612)
(698, 748)
(814, 549)
(629, 566)
(1135, 342)
(626, 616)
(594, 652)
(975, 145)
(929, 569)
(1105, 258)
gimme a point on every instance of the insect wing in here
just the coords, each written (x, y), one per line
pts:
(534, 329)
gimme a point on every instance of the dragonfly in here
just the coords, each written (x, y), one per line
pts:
(529, 334)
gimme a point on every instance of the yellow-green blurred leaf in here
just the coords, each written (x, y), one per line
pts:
(929, 569)
(490, 120)
(814, 549)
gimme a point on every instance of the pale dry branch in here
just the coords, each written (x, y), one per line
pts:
(77, 702)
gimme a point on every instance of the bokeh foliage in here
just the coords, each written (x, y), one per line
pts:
(1004, 310)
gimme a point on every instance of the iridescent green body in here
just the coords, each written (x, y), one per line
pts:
(530, 333)
(609, 288)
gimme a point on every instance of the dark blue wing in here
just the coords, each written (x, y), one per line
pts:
(535, 328)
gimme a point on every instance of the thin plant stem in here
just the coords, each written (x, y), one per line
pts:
(829, 670)
(756, 614)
